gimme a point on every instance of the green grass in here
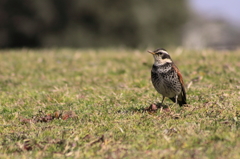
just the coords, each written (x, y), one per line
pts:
(102, 94)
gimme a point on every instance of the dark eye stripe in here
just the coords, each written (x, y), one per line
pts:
(165, 56)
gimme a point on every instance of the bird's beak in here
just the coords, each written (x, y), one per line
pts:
(151, 52)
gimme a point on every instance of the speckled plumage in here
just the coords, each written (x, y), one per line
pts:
(166, 77)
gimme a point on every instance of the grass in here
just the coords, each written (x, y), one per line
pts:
(60, 103)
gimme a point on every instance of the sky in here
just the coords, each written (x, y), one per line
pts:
(228, 10)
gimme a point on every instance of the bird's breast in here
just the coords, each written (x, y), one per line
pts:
(166, 82)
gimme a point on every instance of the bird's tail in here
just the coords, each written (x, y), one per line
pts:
(181, 101)
(181, 98)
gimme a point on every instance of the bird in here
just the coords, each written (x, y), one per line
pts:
(166, 77)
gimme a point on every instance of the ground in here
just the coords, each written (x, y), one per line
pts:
(87, 103)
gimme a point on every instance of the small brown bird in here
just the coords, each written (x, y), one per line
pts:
(166, 77)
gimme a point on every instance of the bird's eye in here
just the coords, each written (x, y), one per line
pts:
(159, 53)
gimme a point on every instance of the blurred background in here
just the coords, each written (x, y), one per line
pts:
(193, 24)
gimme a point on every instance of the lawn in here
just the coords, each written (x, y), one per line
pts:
(86, 103)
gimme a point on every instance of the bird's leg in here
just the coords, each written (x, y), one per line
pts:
(176, 98)
(163, 99)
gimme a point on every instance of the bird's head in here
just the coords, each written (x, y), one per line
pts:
(160, 56)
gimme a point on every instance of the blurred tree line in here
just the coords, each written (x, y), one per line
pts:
(91, 23)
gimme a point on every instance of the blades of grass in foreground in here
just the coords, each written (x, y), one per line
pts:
(92, 104)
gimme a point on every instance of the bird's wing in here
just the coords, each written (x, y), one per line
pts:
(184, 100)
